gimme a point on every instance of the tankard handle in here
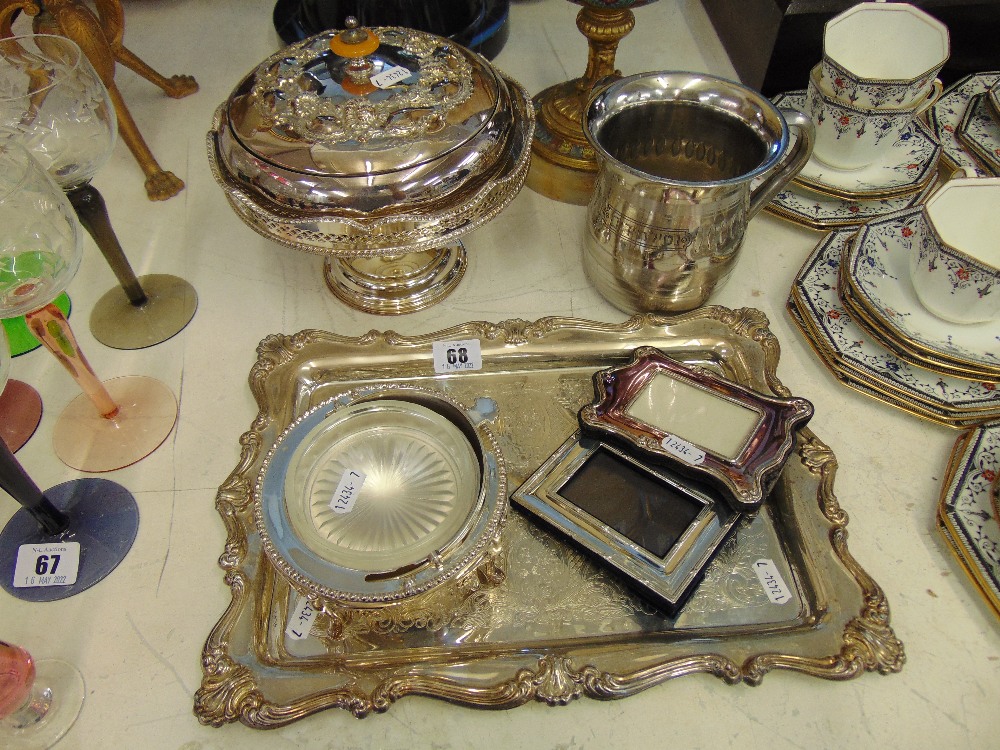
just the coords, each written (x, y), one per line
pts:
(790, 165)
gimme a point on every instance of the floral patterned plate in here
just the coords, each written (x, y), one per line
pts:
(876, 266)
(868, 386)
(947, 113)
(980, 133)
(807, 208)
(872, 325)
(943, 399)
(907, 165)
(966, 514)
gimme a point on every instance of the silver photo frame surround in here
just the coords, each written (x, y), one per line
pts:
(658, 531)
(696, 423)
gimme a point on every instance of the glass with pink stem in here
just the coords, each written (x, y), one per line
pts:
(39, 701)
(117, 422)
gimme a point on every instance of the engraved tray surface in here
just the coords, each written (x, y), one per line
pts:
(550, 626)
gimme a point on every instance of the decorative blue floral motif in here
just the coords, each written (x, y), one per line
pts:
(863, 362)
(969, 509)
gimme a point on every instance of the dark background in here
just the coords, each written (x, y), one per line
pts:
(774, 43)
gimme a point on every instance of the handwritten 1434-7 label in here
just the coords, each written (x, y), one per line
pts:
(300, 620)
(49, 564)
(682, 449)
(347, 491)
(457, 356)
(771, 580)
(390, 77)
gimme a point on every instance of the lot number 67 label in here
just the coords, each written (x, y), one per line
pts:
(50, 564)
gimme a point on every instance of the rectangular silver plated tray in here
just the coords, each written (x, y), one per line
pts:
(553, 626)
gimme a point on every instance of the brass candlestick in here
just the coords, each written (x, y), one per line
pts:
(100, 37)
(563, 163)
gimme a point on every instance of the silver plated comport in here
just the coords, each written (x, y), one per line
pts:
(378, 148)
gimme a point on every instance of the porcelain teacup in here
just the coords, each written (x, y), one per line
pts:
(850, 137)
(879, 54)
(955, 268)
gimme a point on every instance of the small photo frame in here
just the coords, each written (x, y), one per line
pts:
(656, 530)
(697, 423)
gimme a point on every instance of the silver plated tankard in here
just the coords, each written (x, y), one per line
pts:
(685, 161)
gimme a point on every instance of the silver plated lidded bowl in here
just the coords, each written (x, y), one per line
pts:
(382, 494)
(378, 148)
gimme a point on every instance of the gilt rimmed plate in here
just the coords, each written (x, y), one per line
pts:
(876, 267)
(966, 514)
(993, 100)
(867, 386)
(946, 115)
(799, 204)
(979, 132)
(906, 166)
(885, 337)
(936, 396)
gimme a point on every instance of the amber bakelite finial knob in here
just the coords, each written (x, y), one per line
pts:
(353, 41)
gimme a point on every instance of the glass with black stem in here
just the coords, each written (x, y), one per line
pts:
(53, 101)
(101, 516)
(114, 423)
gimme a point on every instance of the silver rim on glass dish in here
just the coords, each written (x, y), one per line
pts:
(381, 494)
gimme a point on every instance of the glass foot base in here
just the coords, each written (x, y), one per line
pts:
(84, 440)
(170, 305)
(57, 700)
(22, 340)
(103, 518)
(20, 413)
(397, 284)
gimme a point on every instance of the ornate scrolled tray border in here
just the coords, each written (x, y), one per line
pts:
(839, 630)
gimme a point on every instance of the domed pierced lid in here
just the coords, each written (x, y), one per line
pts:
(363, 101)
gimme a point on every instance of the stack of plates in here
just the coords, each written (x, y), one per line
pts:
(968, 513)
(854, 303)
(966, 119)
(875, 289)
(822, 197)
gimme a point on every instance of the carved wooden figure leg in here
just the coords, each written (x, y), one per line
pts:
(160, 183)
(176, 87)
(113, 22)
(100, 40)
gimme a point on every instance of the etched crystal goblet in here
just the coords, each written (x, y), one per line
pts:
(54, 102)
(40, 251)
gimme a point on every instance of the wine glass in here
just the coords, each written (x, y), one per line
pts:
(19, 338)
(99, 515)
(39, 701)
(20, 404)
(53, 100)
(40, 246)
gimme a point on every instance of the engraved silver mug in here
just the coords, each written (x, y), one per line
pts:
(685, 161)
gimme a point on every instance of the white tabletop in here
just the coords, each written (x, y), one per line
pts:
(137, 636)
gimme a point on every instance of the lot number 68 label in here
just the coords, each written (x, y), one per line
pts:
(457, 356)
